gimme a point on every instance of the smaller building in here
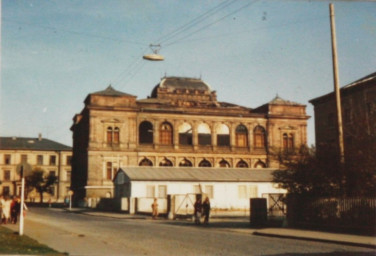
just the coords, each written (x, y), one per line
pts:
(229, 189)
(53, 157)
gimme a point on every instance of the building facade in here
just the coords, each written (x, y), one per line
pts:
(181, 124)
(358, 104)
(52, 157)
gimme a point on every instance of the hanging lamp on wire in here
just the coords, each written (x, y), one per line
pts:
(155, 56)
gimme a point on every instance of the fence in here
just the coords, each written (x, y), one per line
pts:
(334, 213)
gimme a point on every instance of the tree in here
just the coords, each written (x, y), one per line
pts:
(36, 180)
(311, 174)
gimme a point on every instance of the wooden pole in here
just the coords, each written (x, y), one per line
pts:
(336, 85)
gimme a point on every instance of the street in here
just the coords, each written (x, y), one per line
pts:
(81, 234)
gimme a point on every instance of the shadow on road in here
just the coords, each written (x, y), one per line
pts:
(214, 224)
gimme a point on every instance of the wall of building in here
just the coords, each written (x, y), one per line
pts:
(60, 166)
(224, 195)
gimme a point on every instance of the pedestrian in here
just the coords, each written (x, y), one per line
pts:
(14, 210)
(206, 210)
(6, 210)
(154, 208)
(198, 210)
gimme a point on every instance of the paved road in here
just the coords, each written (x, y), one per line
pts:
(80, 234)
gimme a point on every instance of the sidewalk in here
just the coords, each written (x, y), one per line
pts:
(346, 239)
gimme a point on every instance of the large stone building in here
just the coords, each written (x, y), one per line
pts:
(358, 104)
(181, 124)
(54, 158)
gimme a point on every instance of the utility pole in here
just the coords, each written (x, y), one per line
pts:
(336, 85)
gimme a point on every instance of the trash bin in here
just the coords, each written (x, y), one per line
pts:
(258, 215)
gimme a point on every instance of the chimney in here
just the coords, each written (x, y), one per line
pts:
(40, 137)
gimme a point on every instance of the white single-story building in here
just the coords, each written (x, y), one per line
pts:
(229, 189)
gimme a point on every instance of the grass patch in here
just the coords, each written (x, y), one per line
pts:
(12, 243)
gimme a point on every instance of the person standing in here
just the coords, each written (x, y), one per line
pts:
(154, 208)
(206, 210)
(6, 210)
(198, 210)
(14, 210)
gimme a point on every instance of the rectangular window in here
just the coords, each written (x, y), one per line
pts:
(209, 191)
(7, 175)
(109, 170)
(23, 158)
(7, 159)
(52, 160)
(39, 160)
(223, 140)
(6, 191)
(185, 138)
(162, 191)
(252, 191)
(204, 139)
(150, 191)
(242, 191)
(69, 160)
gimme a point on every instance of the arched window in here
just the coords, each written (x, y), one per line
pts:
(109, 171)
(165, 134)
(259, 137)
(288, 142)
(260, 164)
(145, 162)
(204, 163)
(204, 134)
(113, 135)
(223, 135)
(165, 162)
(185, 163)
(185, 134)
(242, 164)
(285, 141)
(145, 132)
(241, 136)
(116, 135)
(224, 163)
(109, 135)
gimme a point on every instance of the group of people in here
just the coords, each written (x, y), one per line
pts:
(202, 209)
(10, 209)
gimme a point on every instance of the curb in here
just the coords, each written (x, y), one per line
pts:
(370, 246)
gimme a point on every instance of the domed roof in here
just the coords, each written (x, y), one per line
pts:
(180, 83)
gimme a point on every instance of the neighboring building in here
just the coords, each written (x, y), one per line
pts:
(358, 103)
(53, 157)
(182, 125)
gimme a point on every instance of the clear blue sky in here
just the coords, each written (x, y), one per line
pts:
(55, 52)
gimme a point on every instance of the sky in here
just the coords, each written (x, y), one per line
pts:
(56, 52)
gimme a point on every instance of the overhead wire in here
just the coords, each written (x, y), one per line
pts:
(55, 29)
(212, 23)
(195, 21)
(135, 64)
